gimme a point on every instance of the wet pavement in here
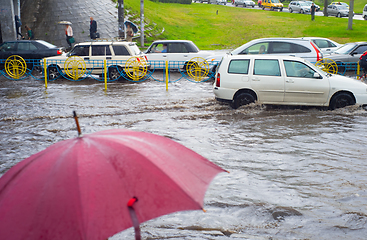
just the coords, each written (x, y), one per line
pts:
(43, 16)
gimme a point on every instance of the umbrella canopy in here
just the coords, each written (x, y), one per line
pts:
(80, 188)
(133, 26)
(64, 23)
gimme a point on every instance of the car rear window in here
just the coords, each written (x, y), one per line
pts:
(120, 51)
(269, 67)
(239, 66)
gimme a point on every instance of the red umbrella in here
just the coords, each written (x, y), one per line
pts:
(81, 188)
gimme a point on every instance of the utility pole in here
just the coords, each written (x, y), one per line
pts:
(121, 18)
(142, 23)
(325, 8)
(350, 17)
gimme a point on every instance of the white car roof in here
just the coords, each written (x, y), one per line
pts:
(265, 56)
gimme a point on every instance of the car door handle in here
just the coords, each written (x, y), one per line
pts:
(86, 58)
(185, 55)
(289, 81)
(255, 79)
(108, 58)
(164, 56)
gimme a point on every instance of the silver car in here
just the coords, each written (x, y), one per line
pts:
(244, 3)
(347, 56)
(338, 11)
(299, 6)
(326, 45)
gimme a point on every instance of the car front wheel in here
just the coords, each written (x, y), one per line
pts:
(290, 10)
(338, 15)
(365, 17)
(302, 12)
(242, 99)
(341, 100)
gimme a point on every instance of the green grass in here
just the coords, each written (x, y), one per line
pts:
(232, 27)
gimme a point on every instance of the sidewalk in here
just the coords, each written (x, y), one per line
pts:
(42, 16)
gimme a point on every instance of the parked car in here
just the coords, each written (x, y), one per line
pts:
(326, 45)
(338, 11)
(179, 51)
(310, 3)
(364, 15)
(224, 2)
(91, 52)
(29, 50)
(272, 5)
(340, 4)
(244, 3)
(298, 47)
(348, 54)
(283, 80)
(299, 6)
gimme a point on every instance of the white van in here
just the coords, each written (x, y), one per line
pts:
(365, 12)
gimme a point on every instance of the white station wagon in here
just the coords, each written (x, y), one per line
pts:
(283, 80)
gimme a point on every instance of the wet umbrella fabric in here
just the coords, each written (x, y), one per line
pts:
(65, 23)
(79, 188)
(133, 26)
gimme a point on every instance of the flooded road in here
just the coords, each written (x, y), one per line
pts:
(294, 173)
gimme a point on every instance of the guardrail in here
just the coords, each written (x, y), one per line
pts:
(75, 68)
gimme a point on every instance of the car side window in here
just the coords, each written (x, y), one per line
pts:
(321, 43)
(120, 50)
(268, 67)
(101, 50)
(80, 51)
(7, 47)
(239, 66)
(26, 46)
(298, 69)
(177, 48)
(258, 48)
(360, 49)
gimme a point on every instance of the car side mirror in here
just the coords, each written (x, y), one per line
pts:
(353, 53)
(316, 75)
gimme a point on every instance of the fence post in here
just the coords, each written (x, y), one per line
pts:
(166, 75)
(105, 74)
(45, 71)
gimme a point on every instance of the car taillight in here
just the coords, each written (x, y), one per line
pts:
(146, 59)
(59, 52)
(318, 53)
(217, 82)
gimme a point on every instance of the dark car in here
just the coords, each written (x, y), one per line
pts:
(29, 50)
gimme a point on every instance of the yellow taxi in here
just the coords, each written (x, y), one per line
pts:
(272, 5)
(340, 3)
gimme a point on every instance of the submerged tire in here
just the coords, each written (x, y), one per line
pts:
(114, 73)
(341, 100)
(242, 99)
(53, 72)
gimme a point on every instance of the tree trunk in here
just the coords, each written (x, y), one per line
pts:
(350, 19)
(325, 8)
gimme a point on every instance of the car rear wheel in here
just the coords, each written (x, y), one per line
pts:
(341, 100)
(365, 17)
(114, 73)
(242, 99)
(263, 8)
(53, 72)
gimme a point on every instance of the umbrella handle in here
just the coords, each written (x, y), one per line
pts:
(134, 218)
(77, 123)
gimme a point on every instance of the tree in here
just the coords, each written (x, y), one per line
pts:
(350, 17)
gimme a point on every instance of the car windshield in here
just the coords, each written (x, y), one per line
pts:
(303, 4)
(346, 48)
(275, 1)
(135, 49)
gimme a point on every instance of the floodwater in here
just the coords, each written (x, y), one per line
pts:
(295, 173)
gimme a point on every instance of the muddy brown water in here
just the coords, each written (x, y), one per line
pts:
(295, 173)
